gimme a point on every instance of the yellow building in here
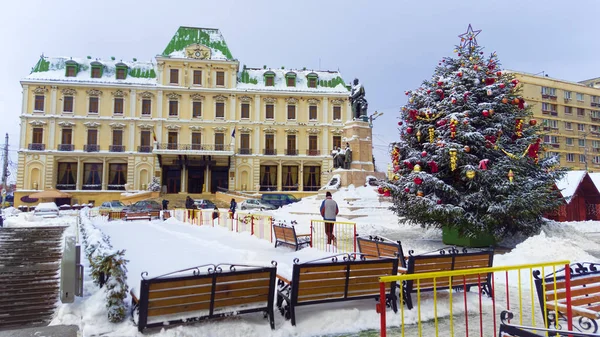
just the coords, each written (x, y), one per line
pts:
(192, 117)
(569, 114)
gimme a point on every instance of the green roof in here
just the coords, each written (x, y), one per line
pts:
(209, 37)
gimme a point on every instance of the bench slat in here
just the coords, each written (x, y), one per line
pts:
(561, 294)
(152, 295)
(172, 301)
(180, 284)
(254, 298)
(560, 284)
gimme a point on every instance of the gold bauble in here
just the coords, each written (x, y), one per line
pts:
(420, 193)
(417, 168)
(470, 174)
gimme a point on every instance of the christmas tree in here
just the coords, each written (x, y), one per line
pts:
(469, 154)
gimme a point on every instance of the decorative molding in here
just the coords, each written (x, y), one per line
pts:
(245, 99)
(119, 93)
(291, 100)
(69, 92)
(146, 94)
(291, 130)
(94, 92)
(146, 126)
(173, 127)
(337, 131)
(220, 98)
(313, 101)
(196, 97)
(219, 128)
(337, 101)
(38, 123)
(91, 125)
(245, 129)
(270, 130)
(173, 95)
(314, 131)
(196, 128)
(270, 99)
(117, 125)
(40, 90)
(66, 124)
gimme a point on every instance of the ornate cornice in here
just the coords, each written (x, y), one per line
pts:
(291, 100)
(220, 98)
(196, 128)
(173, 95)
(66, 124)
(146, 94)
(291, 130)
(94, 92)
(313, 101)
(40, 90)
(117, 125)
(270, 129)
(245, 99)
(270, 99)
(245, 129)
(173, 127)
(337, 101)
(219, 128)
(314, 131)
(196, 97)
(91, 125)
(146, 126)
(37, 123)
(119, 93)
(337, 131)
(69, 92)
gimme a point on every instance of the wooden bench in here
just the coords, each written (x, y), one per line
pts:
(138, 216)
(222, 290)
(334, 279)
(585, 295)
(286, 235)
(445, 261)
(375, 247)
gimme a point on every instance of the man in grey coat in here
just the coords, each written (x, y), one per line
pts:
(329, 210)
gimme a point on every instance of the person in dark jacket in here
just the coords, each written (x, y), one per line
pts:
(215, 215)
(165, 204)
(189, 202)
(329, 211)
(232, 207)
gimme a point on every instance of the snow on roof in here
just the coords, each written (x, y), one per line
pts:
(595, 179)
(210, 37)
(569, 183)
(54, 69)
(327, 81)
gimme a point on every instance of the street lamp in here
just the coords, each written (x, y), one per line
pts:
(373, 117)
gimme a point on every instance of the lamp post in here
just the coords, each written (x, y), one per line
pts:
(585, 151)
(373, 117)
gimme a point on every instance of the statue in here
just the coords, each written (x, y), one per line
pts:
(348, 157)
(338, 158)
(357, 100)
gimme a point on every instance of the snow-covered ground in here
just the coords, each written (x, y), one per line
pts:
(159, 247)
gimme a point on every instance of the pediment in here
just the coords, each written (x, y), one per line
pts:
(198, 52)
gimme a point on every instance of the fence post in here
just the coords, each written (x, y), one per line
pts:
(252, 224)
(354, 238)
(381, 308)
(568, 294)
(311, 233)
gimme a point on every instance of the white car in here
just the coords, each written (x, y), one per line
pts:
(46, 210)
(256, 204)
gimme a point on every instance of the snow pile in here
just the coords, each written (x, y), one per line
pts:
(333, 183)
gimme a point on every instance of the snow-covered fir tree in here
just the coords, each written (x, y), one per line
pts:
(469, 155)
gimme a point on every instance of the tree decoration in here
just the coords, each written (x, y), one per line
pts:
(418, 181)
(490, 145)
(532, 122)
(510, 176)
(418, 135)
(440, 93)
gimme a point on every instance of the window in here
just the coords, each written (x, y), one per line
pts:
(337, 113)
(595, 144)
(313, 146)
(312, 82)
(196, 141)
(290, 79)
(312, 112)
(582, 158)
(92, 137)
(39, 103)
(37, 136)
(270, 144)
(245, 110)
(68, 104)
(568, 126)
(580, 112)
(552, 123)
(595, 114)
(548, 91)
(548, 107)
(245, 144)
(595, 99)
(580, 127)
(174, 76)
(596, 159)
(291, 111)
(568, 110)
(220, 78)
(173, 108)
(197, 77)
(117, 137)
(270, 80)
(71, 71)
(569, 141)
(96, 71)
(594, 129)
(117, 176)
(581, 142)
(121, 73)
(220, 110)
(567, 95)
(67, 135)
(172, 140)
(269, 111)
(92, 174)
(219, 141)
(337, 142)
(570, 157)
(580, 97)
(118, 106)
(67, 173)
(551, 139)
(291, 145)
(145, 138)
(196, 109)
(93, 108)
(146, 107)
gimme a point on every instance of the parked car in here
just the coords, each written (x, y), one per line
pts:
(46, 210)
(256, 204)
(279, 199)
(145, 206)
(203, 204)
(113, 206)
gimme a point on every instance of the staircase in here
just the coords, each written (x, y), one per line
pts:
(29, 275)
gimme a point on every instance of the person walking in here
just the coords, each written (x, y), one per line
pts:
(232, 207)
(215, 215)
(189, 202)
(165, 204)
(329, 210)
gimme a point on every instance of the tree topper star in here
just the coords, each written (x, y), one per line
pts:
(469, 38)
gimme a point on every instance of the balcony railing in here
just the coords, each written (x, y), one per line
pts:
(37, 147)
(244, 150)
(552, 97)
(116, 187)
(92, 187)
(595, 104)
(268, 187)
(291, 152)
(116, 148)
(269, 152)
(310, 152)
(145, 148)
(91, 148)
(193, 147)
(66, 147)
(65, 186)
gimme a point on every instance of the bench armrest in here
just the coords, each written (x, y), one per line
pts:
(283, 279)
(302, 235)
(579, 311)
(133, 297)
(402, 270)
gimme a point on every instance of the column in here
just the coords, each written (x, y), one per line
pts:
(325, 142)
(184, 179)
(79, 174)
(131, 146)
(232, 102)
(208, 178)
(23, 140)
(53, 100)
(51, 134)
(301, 177)
(279, 176)
(256, 146)
(104, 174)
(326, 113)
(132, 103)
(256, 112)
(159, 104)
(25, 99)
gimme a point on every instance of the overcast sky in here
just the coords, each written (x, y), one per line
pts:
(391, 46)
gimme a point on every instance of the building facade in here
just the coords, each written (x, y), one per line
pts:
(192, 117)
(569, 114)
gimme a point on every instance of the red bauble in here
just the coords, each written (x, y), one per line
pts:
(424, 154)
(440, 83)
(459, 54)
(399, 123)
(439, 201)
(515, 82)
(502, 85)
(409, 130)
(532, 122)
(475, 67)
(459, 74)
(440, 92)
(490, 81)
(441, 122)
(407, 190)
(428, 91)
(433, 166)
(380, 190)
(453, 100)
(439, 64)
(499, 73)
(485, 113)
(396, 168)
(418, 181)
(406, 92)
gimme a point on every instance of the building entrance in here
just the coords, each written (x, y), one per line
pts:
(195, 179)
(219, 178)
(172, 179)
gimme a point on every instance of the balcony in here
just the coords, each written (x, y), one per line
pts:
(310, 152)
(66, 147)
(36, 147)
(92, 187)
(270, 152)
(91, 148)
(244, 150)
(145, 148)
(552, 97)
(595, 104)
(116, 187)
(116, 148)
(291, 152)
(65, 187)
(193, 147)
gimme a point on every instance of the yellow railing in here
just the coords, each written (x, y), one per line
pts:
(341, 238)
(456, 280)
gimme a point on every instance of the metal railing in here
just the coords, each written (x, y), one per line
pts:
(313, 152)
(270, 152)
(65, 186)
(243, 150)
(145, 148)
(194, 147)
(116, 148)
(333, 236)
(66, 147)
(291, 152)
(91, 148)
(36, 147)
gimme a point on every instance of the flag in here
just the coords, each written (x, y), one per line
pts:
(233, 133)
(153, 135)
